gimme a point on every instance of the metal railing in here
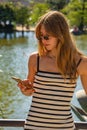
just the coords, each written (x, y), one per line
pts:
(20, 123)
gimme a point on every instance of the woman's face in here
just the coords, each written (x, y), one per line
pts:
(49, 42)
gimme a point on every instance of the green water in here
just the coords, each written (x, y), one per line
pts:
(14, 53)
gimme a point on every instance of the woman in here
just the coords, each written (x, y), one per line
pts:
(52, 75)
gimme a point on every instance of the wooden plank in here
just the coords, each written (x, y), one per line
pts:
(81, 125)
(12, 122)
(20, 123)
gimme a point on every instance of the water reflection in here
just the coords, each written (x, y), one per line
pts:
(12, 35)
(13, 61)
(81, 42)
(14, 55)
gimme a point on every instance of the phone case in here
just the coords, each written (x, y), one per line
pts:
(16, 79)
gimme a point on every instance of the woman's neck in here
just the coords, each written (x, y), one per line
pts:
(51, 54)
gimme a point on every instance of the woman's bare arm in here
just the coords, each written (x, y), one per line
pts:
(82, 70)
(24, 86)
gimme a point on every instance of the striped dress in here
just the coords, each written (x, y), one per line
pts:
(50, 108)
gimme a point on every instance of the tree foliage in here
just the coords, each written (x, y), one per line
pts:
(7, 12)
(38, 10)
(57, 4)
(13, 14)
(22, 15)
(76, 12)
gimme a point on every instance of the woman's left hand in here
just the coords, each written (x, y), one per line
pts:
(26, 87)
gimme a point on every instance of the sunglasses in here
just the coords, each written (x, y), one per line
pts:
(46, 37)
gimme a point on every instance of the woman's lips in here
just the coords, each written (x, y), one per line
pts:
(46, 44)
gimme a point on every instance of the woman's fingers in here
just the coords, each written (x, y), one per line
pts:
(26, 87)
(25, 83)
(28, 91)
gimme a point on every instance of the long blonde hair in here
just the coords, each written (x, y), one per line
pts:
(56, 25)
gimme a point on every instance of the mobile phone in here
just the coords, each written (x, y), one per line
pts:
(16, 79)
(20, 80)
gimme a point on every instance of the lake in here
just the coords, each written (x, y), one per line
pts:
(14, 53)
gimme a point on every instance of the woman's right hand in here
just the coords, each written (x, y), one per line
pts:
(26, 87)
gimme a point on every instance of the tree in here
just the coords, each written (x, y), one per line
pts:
(7, 15)
(22, 15)
(83, 20)
(57, 4)
(9, 8)
(38, 10)
(76, 11)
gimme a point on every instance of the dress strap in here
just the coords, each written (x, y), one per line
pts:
(37, 62)
(79, 62)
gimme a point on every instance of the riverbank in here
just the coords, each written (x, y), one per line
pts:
(19, 28)
(25, 29)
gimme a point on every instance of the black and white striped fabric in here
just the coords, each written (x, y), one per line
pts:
(50, 109)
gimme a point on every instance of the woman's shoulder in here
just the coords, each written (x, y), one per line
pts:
(33, 55)
(32, 61)
(82, 68)
(84, 58)
(84, 62)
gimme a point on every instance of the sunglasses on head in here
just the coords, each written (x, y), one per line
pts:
(46, 37)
